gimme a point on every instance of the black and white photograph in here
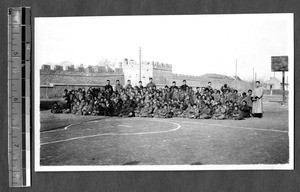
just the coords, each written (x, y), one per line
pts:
(164, 92)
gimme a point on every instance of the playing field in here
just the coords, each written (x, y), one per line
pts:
(94, 140)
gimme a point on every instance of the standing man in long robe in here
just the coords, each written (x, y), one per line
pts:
(257, 105)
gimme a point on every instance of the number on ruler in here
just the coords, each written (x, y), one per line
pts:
(10, 11)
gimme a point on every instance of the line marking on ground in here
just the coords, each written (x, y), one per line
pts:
(250, 128)
(66, 127)
(116, 134)
(61, 129)
(124, 125)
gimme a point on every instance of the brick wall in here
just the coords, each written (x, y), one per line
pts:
(78, 76)
(162, 74)
(53, 82)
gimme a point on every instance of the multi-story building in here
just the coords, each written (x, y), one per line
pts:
(160, 72)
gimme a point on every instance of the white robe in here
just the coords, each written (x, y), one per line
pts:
(257, 106)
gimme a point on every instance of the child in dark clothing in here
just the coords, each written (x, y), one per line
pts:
(236, 114)
(245, 110)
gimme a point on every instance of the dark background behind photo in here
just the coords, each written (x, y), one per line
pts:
(148, 180)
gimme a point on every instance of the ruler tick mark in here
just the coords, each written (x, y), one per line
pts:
(19, 18)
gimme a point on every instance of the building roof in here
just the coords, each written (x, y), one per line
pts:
(273, 80)
(216, 76)
(237, 78)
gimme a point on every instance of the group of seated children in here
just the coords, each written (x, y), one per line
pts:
(167, 102)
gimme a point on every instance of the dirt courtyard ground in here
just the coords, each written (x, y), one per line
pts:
(68, 139)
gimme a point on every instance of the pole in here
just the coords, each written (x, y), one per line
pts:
(253, 77)
(283, 88)
(235, 74)
(287, 82)
(140, 55)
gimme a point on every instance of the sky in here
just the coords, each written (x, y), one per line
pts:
(193, 44)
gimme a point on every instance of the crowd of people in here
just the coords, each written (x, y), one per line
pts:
(174, 101)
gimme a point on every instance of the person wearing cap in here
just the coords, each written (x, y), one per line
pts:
(184, 86)
(257, 105)
(151, 85)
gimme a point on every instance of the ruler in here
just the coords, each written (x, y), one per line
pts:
(19, 65)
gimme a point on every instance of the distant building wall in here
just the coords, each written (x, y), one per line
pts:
(131, 72)
(192, 81)
(54, 81)
(274, 84)
(162, 74)
(217, 82)
(57, 90)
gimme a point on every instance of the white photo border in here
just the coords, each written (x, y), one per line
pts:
(289, 166)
